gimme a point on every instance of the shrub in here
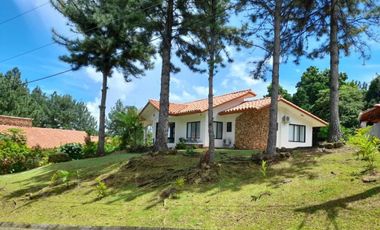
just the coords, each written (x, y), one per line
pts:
(101, 189)
(89, 149)
(323, 133)
(264, 168)
(15, 156)
(179, 183)
(190, 150)
(74, 150)
(181, 144)
(60, 177)
(368, 146)
(59, 157)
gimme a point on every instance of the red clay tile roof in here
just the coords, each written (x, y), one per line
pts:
(371, 115)
(248, 105)
(49, 138)
(264, 103)
(200, 106)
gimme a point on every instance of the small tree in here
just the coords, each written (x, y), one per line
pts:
(112, 124)
(132, 130)
(111, 38)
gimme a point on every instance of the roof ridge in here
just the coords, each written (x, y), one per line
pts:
(222, 95)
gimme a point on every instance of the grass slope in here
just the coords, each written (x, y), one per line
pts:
(307, 191)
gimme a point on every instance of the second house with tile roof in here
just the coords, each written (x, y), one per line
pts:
(240, 121)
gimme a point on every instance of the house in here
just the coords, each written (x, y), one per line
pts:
(44, 137)
(371, 117)
(239, 121)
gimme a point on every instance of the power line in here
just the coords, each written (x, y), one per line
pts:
(49, 76)
(23, 13)
(27, 52)
(52, 43)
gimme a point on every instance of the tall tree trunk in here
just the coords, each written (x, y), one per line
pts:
(162, 129)
(211, 69)
(334, 128)
(102, 115)
(272, 136)
(211, 137)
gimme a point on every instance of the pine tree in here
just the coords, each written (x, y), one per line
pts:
(273, 25)
(340, 26)
(207, 37)
(112, 37)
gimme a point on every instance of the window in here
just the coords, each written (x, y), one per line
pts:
(171, 132)
(218, 130)
(193, 132)
(297, 133)
(229, 127)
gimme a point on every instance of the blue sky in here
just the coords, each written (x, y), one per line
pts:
(34, 29)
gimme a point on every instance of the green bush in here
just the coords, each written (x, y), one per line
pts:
(59, 157)
(89, 149)
(181, 144)
(368, 146)
(61, 177)
(74, 150)
(15, 156)
(101, 189)
(190, 150)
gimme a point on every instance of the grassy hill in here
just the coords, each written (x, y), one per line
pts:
(307, 191)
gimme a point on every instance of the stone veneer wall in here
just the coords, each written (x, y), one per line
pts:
(15, 121)
(252, 129)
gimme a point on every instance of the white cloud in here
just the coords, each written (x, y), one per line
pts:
(201, 90)
(117, 89)
(241, 71)
(184, 96)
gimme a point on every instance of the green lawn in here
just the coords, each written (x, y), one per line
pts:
(307, 191)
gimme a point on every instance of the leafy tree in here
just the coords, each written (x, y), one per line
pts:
(39, 108)
(54, 111)
(112, 37)
(166, 20)
(132, 130)
(340, 26)
(112, 125)
(205, 47)
(14, 94)
(351, 104)
(373, 94)
(281, 91)
(312, 81)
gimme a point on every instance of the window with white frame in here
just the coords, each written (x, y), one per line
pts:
(297, 133)
(193, 132)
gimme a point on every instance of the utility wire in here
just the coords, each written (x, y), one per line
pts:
(49, 76)
(52, 43)
(68, 70)
(23, 13)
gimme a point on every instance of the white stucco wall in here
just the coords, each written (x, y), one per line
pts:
(375, 131)
(296, 118)
(225, 118)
